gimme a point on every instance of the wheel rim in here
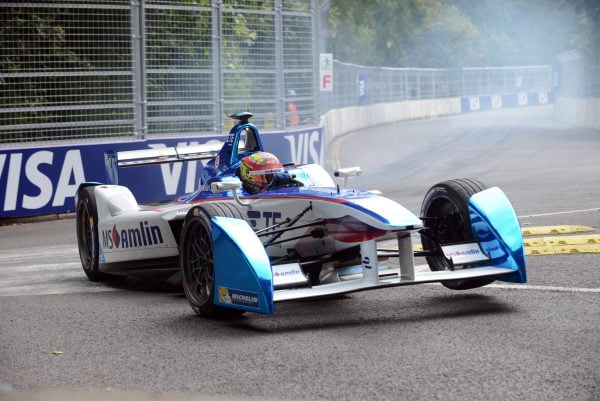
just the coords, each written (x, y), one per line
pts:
(199, 264)
(448, 228)
(86, 236)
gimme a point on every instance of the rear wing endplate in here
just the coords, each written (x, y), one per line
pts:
(145, 157)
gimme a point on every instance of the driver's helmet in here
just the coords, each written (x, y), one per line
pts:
(257, 171)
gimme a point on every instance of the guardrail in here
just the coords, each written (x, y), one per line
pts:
(356, 85)
(578, 100)
(110, 70)
(80, 78)
(43, 180)
(341, 121)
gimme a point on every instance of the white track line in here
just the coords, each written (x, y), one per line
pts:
(46, 267)
(44, 271)
(596, 209)
(543, 288)
(54, 289)
(549, 288)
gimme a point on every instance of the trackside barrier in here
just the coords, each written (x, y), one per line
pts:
(43, 180)
(481, 103)
(342, 121)
(578, 112)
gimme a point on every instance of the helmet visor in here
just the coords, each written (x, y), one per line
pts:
(265, 176)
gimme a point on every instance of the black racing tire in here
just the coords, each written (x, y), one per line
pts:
(87, 234)
(196, 259)
(447, 221)
(223, 209)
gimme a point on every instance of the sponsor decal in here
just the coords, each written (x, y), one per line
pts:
(304, 147)
(496, 102)
(231, 296)
(231, 138)
(224, 296)
(464, 253)
(361, 87)
(326, 72)
(474, 103)
(132, 237)
(492, 249)
(33, 181)
(366, 262)
(270, 218)
(287, 273)
(172, 172)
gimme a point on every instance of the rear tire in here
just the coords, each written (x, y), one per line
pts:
(446, 210)
(196, 260)
(87, 234)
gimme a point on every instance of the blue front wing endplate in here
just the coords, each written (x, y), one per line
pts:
(496, 228)
(243, 277)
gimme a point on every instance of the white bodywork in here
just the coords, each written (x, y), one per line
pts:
(129, 232)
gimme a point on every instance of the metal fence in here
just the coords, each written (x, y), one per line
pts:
(78, 70)
(356, 85)
(72, 70)
(580, 75)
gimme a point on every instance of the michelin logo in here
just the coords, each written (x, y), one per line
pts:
(237, 297)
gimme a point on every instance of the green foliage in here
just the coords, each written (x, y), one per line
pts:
(27, 38)
(589, 37)
(419, 33)
(460, 33)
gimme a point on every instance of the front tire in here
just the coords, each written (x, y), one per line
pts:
(447, 221)
(197, 265)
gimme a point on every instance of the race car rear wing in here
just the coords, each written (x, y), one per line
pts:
(145, 157)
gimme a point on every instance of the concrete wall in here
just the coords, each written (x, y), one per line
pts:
(342, 121)
(579, 112)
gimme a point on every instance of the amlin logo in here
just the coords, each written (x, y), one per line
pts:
(145, 235)
(291, 272)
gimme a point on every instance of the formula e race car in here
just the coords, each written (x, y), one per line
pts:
(237, 251)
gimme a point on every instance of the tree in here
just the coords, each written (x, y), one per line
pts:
(461, 33)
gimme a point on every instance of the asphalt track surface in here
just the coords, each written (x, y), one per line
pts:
(539, 341)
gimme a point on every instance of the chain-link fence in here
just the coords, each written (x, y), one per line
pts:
(65, 71)
(78, 70)
(356, 85)
(579, 75)
(73, 70)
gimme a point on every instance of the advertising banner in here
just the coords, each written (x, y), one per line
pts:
(361, 88)
(43, 180)
(482, 103)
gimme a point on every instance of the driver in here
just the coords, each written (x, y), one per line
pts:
(262, 170)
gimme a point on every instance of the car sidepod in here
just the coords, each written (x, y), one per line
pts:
(496, 228)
